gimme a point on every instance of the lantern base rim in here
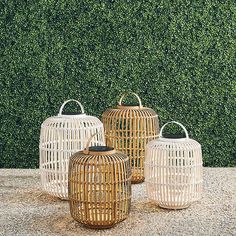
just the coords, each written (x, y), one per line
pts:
(174, 208)
(51, 190)
(103, 226)
(99, 226)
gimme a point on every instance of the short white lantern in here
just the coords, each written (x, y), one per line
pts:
(60, 137)
(173, 170)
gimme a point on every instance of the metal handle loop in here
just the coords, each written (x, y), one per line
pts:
(136, 95)
(174, 122)
(71, 100)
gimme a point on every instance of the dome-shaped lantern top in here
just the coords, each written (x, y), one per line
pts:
(60, 137)
(130, 127)
(173, 170)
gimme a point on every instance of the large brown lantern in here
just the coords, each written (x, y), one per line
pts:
(99, 186)
(130, 128)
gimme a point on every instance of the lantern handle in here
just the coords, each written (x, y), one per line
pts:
(86, 150)
(136, 95)
(71, 100)
(174, 122)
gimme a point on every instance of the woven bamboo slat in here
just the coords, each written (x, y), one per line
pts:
(60, 137)
(173, 171)
(99, 186)
(130, 128)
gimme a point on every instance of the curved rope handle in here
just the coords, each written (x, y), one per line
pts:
(86, 150)
(136, 95)
(174, 122)
(71, 100)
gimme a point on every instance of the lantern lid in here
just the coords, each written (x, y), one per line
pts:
(171, 137)
(71, 114)
(175, 140)
(99, 150)
(130, 106)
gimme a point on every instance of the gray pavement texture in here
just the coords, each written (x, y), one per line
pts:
(26, 210)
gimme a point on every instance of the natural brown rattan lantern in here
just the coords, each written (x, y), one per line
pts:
(130, 128)
(99, 186)
(173, 170)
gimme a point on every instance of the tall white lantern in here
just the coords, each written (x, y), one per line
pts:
(173, 170)
(60, 137)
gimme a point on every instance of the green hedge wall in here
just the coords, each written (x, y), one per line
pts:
(179, 56)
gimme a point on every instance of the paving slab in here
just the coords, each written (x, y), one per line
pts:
(26, 210)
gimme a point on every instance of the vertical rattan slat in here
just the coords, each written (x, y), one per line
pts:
(99, 186)
(173, 171)
(60, 137)
(130, 128)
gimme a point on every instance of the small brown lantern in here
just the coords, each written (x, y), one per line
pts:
(99, 186)
(130, 128)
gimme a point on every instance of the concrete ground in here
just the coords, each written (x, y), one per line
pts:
(25, 210)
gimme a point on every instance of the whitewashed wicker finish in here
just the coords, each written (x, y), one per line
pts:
(61, 136)
(130, 128)
(173, 171)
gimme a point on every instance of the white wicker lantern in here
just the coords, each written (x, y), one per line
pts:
(173, 170)
(61, 136)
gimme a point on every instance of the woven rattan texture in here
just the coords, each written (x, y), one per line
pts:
(61, 136)
(99, 188)
(173, 172)
(130, 129)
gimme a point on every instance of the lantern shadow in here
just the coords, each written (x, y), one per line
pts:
(44, 197)
(147, 207)
(62, 223)
(39, 197)
(66, 225)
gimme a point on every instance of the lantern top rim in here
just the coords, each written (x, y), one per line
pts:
(99, 150)
(130, 106)
(180, 141)
(71, 115)
(172, 139)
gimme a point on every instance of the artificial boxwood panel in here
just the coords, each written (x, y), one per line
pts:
(179, 56)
